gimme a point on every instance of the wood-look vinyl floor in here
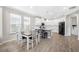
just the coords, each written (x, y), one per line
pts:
(57, 43)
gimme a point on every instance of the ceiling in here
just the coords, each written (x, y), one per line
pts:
(49, 12)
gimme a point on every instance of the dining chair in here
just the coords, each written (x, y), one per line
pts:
(19, 39)
(36, 36)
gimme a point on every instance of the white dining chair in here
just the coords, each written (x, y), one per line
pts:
(36, 36)
(19, 39)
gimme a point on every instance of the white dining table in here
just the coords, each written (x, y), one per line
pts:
(28, 40)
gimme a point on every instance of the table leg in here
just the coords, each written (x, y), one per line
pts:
(38, 38)
(27, 43)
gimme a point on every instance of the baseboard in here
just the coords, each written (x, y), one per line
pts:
(6, 41)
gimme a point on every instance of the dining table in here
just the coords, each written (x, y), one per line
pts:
(27, 39)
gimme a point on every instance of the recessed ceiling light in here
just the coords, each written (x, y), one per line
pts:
(65, 8)
(31, 7)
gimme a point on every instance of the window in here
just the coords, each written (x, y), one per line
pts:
(15, 23)
(26, 23)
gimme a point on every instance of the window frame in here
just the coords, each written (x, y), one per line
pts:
(19, 23)
(26, 18)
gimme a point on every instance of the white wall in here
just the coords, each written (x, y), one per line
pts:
(74, 22)
(67, 26)
(6, 25)
(69, 21)
(0, 23)
(6, 22)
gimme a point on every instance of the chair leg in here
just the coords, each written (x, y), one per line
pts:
(36, 41)
(21, 42)
(32, 44)
(38, 38)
